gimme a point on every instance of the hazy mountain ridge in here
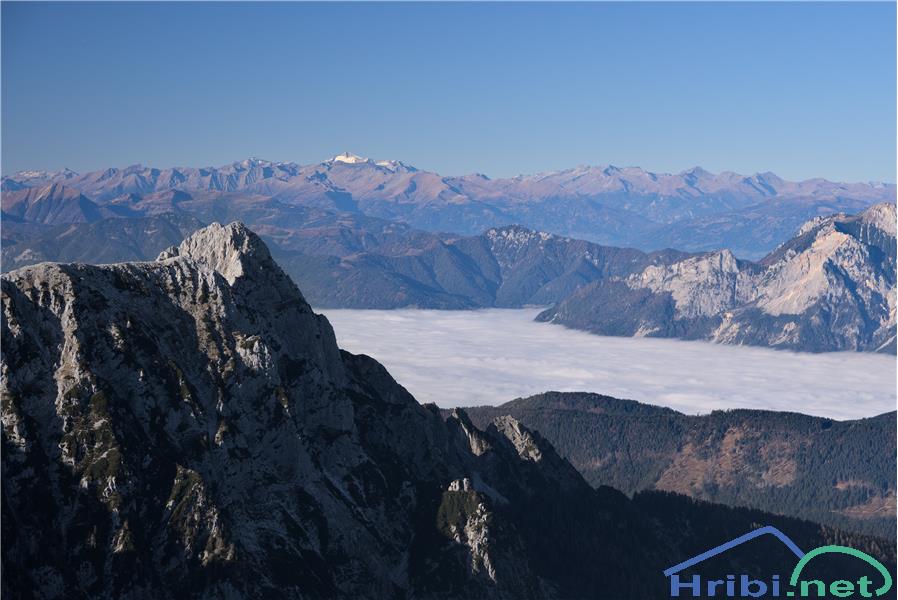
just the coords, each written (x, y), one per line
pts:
(504, 267)
(604, 204)
(753, 230)
(834, 472)
(188, 427)
(353, 261)
(53, 204)
(105, 241)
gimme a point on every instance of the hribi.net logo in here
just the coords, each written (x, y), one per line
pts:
(875, 585)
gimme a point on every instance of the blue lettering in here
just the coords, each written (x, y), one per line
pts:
(676, 585)
(752, 588)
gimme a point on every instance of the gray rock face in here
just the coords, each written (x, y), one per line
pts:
(832, 287)
(187, 427)
(129, 375)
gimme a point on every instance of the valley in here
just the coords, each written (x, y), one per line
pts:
(469, 358)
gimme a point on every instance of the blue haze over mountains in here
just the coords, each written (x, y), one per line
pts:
(363, 233)
(694, 210)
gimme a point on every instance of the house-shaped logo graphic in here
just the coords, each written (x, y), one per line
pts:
(768, 530)
(744, 586)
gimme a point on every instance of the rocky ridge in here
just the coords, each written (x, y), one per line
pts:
(832, 287)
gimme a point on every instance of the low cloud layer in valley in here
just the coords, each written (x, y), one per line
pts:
(466, 358)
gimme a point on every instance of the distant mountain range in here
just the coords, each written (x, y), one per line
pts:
(841, 473)
(352, 261)
(830, 286)
(188, 428)
(694, 210)
(105, 241)
(504, 267)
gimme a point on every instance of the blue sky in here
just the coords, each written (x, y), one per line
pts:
(801, 89)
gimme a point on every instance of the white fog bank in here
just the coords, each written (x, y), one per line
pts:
(468, 358)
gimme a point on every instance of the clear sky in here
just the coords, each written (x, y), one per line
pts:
(801, 89)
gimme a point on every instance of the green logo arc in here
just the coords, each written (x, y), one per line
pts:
(887, 577)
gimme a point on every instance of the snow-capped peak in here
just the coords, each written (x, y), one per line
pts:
(349, 158)
(65, 173)
(395, 166)
(392, 165)
(353, 159)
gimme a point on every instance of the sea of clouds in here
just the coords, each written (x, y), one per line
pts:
(469, 358)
